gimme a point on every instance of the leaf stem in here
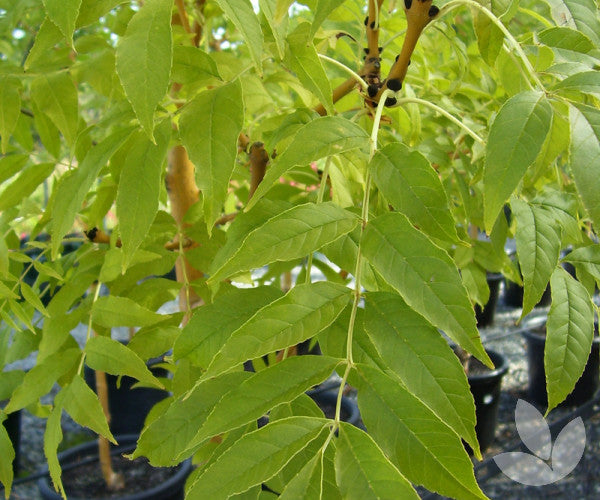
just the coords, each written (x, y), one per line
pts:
(352, 73)
(359, 257)
(320, 197)
(453, 4)
(442, 111)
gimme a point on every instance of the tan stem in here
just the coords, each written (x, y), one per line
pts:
(114, 481)
(183, 193)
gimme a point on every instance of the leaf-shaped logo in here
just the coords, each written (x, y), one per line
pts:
(531, 469)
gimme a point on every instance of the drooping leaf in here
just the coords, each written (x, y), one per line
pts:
(211, 325)
(8, 455)
(516, 137)
(292, 234)
(299, 315)
(322, 11)
(11, 164)
(584, 154)
(271, 447)
(569, 333)
(538, 247)
(363, 471)
(40, 379)
(281, 8)
(588, 258)
(302, 58)
(317, 139)
(73, 190)
(47, 37)
(415, 351)
(425, 276)
(82, 404)
(112, 311)
(399, 422)
(242, 15)
(414, 188)
(52, 437)
(213, 145)
(168, 436)
(10, 107)
(489, 37)
(278, 27)
(139, 188)
(279, 383)
(25, 184)
(63, 14)
(144, 58)
(110, 356)
(56, 96)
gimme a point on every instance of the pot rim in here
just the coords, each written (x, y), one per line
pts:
(500, 363)
(539, 322)
(44, 483)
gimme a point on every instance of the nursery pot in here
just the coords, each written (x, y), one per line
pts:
(128, 407)
(12, 424)
(327, 399)
(81, 463)
(485, 315)
(586, 386)
(485, 386)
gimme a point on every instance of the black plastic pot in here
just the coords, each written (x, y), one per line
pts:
(128, 407)
(12, 424)
(485, 315)
(513, 295)
(171, 489)
(586, 386)
(327, 399)
(485, 388)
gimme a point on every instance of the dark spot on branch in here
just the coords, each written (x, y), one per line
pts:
(372, 25)
(407, 4)
(390, 101)
(433, 11)
(372, 90)
(394, 84)
(91, 234)
(367, 21)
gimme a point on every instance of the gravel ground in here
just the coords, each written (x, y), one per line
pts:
(502, 336)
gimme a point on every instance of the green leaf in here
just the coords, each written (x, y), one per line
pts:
(322, 137)
(281, 8)
(561, 37)
(139, 188)
(169, 435)
(569, 334)
(538, 248)
(299, 315)
(56, 95)
(577, 14)
(212, 324)
(120, 311)
(40, 379)
(304, 61)
(413, 187)
(144, 57)
(242, 15)
(307, 483)
(270, 447)
(192, 65)
(322, 11)
(213, 146)
(278, 27)
(8, 455)
(587, 82)
(107, 355)
(516, 137)
(279, 383)
(292, 234)
(52, 437)
(415, 351)
(10, 107)
(25, 184)
(399, 422)
(92, 10)
(47, 37)
(72, 191)
(585, 157)
(363, 471)
(63, 14)
(489, 37)
(10, 165)
(48, 132)
(586, 257)
(30, 296)
(82, 404)
(425, 276)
